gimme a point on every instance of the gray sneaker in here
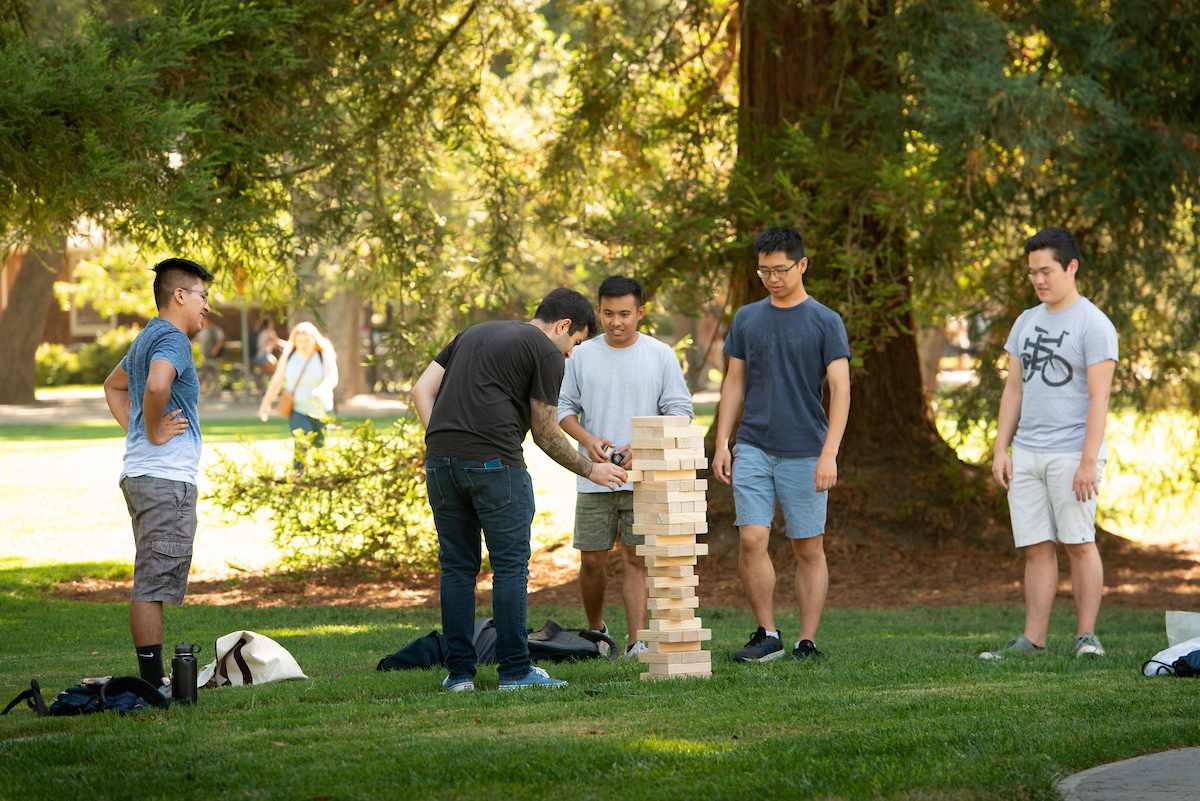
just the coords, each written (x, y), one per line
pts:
(1088, 645)
(1021, 646)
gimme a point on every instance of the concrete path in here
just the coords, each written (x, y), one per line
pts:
(82, 405)
(1166, 776)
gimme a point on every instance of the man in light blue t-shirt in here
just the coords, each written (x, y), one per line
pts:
(152, 393)
(1062, 355)
(609, 380)
(782, 351)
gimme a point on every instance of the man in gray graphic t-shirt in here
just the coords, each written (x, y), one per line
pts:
(1062, 355)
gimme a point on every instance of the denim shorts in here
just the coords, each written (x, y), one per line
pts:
(163, 513)
(601, 518)
(760, 479)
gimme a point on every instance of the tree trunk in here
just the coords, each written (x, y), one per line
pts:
(892, 460)
(21, 325)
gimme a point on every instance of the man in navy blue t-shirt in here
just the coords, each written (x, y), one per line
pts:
(781, 350)
(153, 393)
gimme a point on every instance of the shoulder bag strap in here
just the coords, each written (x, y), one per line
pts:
(302, 369)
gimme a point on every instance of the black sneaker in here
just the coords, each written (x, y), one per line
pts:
(761, 648)
(806, 650)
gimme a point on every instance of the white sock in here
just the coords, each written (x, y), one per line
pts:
(774, 634)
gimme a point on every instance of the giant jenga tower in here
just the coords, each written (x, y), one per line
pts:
(670, 509)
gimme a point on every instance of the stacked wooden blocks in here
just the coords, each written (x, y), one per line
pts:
(670, 509)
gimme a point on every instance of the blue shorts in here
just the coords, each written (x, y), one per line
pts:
(759, 479)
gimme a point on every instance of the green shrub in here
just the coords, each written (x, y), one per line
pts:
(98, 359)
(57, 365)
(360, 500)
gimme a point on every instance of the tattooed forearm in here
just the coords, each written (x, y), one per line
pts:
(549, 437)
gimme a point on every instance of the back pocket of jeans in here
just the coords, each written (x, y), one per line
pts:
(433, 490)
(490, 486)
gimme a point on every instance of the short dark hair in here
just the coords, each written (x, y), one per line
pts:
(170, 273)
(618, 286)
(567, 304)
(774, 240)
(1059, 242)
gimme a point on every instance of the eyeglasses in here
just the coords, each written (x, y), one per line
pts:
(202, 292)
(766, 274)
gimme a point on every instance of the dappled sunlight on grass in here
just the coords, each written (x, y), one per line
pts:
(675, 746)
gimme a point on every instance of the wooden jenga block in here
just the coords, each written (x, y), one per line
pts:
(672, 581)
(668, 474)
(690, 635)
(649, 465)
(657, 529)
(670, 570)
(649, 496)
(686, 647)
(675, 614)
(681, 670)
(668, 518)
(670, 539)
(632, 476)
(671, 592)
(699, 549)
(665, 421)
(674, 625)
(661, 604)
(675, 658)
(673, 561)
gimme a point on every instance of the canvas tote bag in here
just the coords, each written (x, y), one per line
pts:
(246, 657)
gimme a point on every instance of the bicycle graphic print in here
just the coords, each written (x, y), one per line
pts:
(1038, 356)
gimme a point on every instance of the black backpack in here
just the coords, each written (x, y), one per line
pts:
(550, 643)
(1189, 665)
(122, 694)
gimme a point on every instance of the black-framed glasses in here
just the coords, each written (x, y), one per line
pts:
(766, 274)
(202, 292)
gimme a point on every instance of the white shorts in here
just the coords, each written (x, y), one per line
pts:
(1042, 503)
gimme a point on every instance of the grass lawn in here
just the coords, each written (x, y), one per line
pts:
(900, 708)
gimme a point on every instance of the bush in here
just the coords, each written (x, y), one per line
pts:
(57, 365)
(98, 359)
(360, 500)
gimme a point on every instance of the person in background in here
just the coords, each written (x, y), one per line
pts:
(310, 374)
(265, 343)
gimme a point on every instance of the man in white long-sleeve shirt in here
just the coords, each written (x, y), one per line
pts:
(609, 380)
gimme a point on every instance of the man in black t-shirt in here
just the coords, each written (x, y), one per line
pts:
(490, 386)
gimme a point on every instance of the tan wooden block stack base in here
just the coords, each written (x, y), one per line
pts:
(670, 509)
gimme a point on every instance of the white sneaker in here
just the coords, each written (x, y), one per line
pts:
(603, 647)
(633, 649)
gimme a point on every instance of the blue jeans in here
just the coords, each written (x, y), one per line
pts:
(466, 496)
(307, 425)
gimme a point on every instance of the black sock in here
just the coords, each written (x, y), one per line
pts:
(150, 664)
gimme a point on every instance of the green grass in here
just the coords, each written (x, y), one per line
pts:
(900, 708)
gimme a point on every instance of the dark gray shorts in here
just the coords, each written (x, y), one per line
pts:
(164, 527)
(602, 517)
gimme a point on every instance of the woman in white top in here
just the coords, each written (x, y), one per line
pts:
(310, 374)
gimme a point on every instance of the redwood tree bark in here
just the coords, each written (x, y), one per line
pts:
(786, 75)
(21, 325)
